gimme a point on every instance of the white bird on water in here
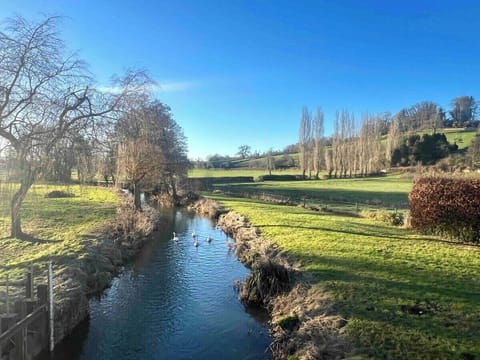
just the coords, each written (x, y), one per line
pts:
(209, 238)
(196, 243)
(175, 237)
(194, 234)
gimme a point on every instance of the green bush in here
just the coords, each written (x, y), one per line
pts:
(446, 206)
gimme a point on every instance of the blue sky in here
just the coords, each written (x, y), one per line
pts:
(239, 72)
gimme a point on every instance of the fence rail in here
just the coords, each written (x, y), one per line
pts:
(27, 327)
(296, 199)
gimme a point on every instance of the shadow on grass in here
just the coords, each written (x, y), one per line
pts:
(321, 194)
(414, 280)
(365, 230)
(380, 291)
(30, 238)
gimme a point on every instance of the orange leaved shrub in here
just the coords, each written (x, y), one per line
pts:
(446, 206)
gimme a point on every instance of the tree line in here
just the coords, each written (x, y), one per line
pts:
(379, 141)
(54, 119)
(351, 151)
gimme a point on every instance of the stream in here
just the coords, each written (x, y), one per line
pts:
(176, 301)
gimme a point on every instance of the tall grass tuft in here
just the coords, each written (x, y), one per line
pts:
(266, 280)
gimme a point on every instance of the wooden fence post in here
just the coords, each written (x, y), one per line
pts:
(29, 283)
(50, 306)
(21, 336)
(42, 294)
(7, 300)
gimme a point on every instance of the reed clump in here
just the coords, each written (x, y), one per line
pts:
(266, 280)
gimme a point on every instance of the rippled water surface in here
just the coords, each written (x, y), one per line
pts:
(176, 301)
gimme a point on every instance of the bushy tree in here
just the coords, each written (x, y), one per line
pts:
(244, 151)
(426, 150)
(151, 149)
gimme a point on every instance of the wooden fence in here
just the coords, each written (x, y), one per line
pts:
(26, 326)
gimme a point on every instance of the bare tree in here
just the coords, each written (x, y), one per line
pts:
(464, 111)
(244, 151)
(393, 139)
(270, 161)
(304, 141)
(420, 116)
(151, 150)
(44, 94)
(336, 145)
(319, 143)
(329, 164)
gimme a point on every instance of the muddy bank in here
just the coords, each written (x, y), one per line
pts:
(91, 273)
(304, 323)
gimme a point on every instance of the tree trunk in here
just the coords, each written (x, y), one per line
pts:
(136, 196)
(16, 205)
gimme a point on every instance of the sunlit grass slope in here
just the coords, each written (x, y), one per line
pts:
(59, 226)
(390, 191)
(405, 296)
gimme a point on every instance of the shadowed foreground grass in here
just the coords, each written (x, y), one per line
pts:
(405, 296)
(59, 227)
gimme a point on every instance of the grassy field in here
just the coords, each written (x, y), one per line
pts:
(390, 191)
(463, 137)
(406, 296)
(59, 227)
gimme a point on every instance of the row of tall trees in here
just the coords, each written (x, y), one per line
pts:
(357, 149)
(311, 142)
(54, 119)
(354, 151)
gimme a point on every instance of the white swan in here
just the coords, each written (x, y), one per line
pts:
(196, 243)
(175, 237)
(209, 238)
(194, 234)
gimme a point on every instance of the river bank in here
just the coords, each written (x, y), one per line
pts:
(303, 323)
(116, 243)
(174, 300)
(88, 235)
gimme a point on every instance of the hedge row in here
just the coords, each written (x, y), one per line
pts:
(446, 206)
(279, 178)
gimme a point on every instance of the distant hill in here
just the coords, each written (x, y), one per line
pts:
(462, 137)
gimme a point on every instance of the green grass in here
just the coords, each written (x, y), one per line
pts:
(60, 227)
(375, 273)
(390, 191)
(238, 172)
(463, 137)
